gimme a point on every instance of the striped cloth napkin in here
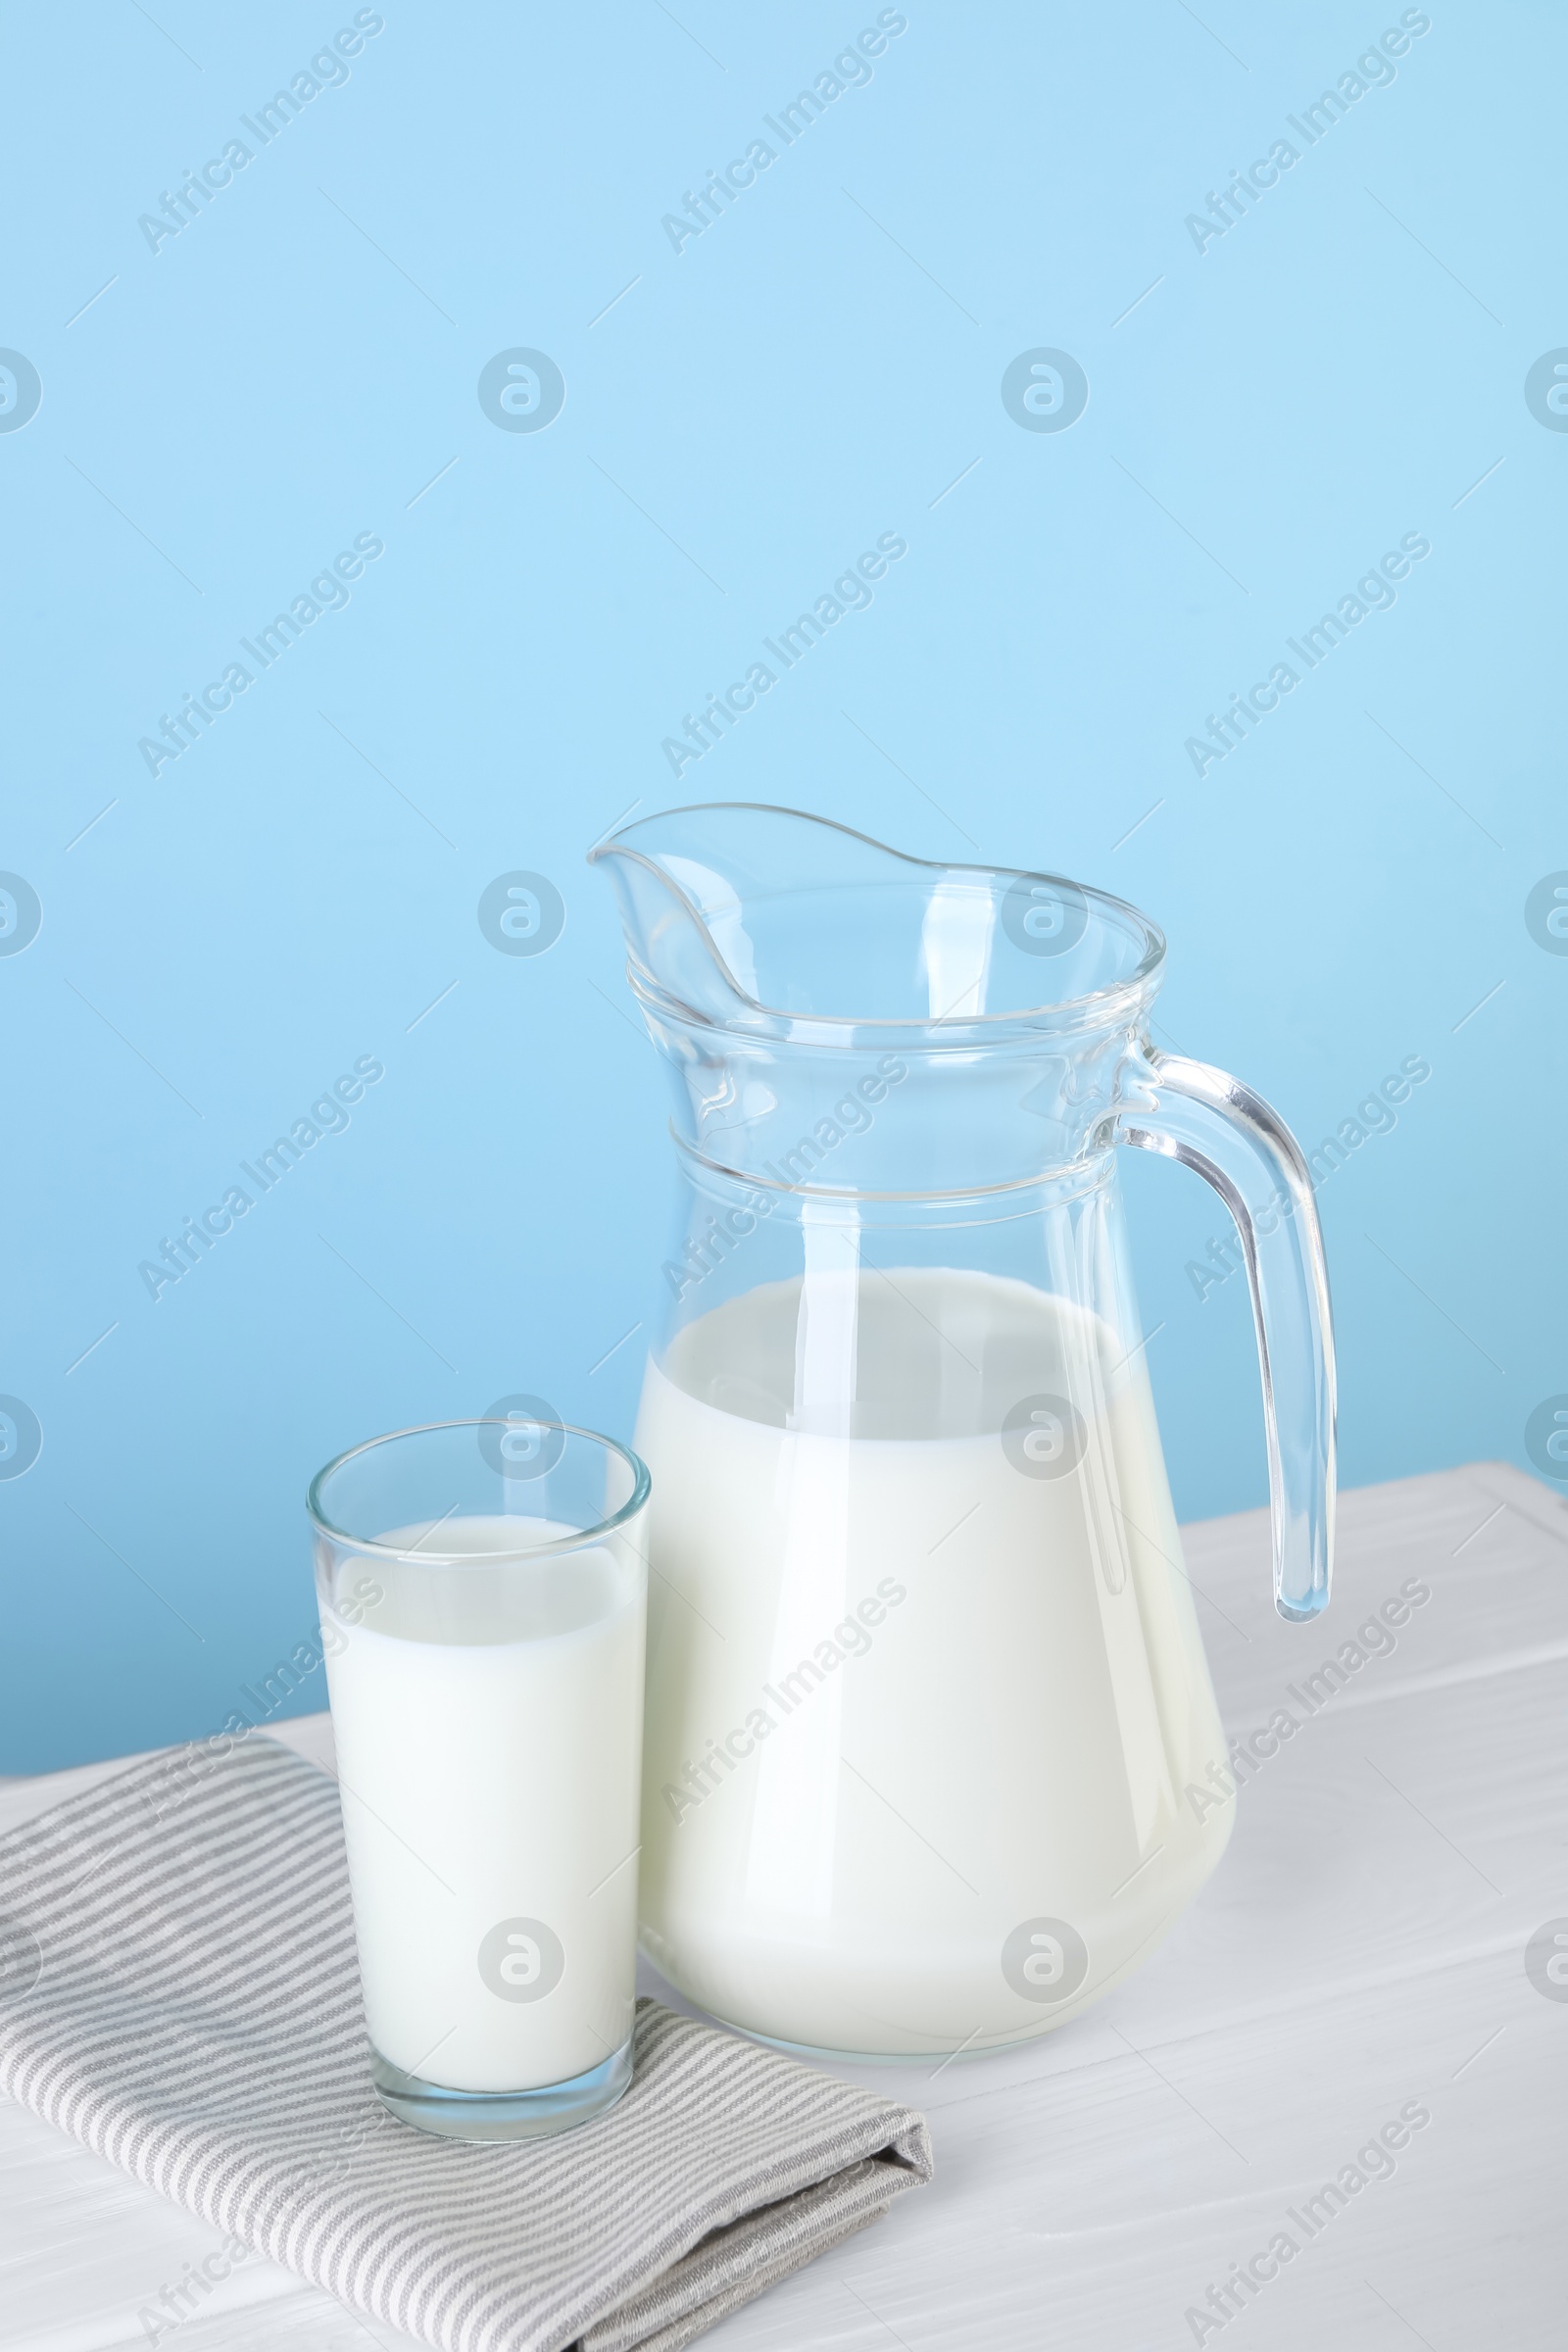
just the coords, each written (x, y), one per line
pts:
(178, 1989)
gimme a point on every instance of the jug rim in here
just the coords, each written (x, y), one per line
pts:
(1102, 1002)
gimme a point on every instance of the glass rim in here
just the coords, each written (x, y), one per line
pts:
(642, 1486)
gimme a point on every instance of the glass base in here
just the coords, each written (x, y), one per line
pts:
(501, 2114)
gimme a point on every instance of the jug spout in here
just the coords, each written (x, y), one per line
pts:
(682, 891)
(786, 964)
(785, 924)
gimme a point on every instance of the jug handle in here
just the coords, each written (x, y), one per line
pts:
(1198, 1116)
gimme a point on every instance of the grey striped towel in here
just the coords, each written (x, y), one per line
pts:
(178, 1989)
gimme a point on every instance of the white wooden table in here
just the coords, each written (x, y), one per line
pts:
(1362, 1947)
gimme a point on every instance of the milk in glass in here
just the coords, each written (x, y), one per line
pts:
(487, 1721)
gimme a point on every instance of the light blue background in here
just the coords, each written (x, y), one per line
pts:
(816, 369)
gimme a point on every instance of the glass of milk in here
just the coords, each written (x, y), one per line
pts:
(482, 1591)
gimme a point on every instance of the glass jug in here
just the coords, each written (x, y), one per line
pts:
(928, 1711)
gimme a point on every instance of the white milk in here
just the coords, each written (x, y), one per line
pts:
(946, 1705)
(487, 1723)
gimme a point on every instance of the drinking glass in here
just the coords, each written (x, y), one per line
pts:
(482, 1587)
